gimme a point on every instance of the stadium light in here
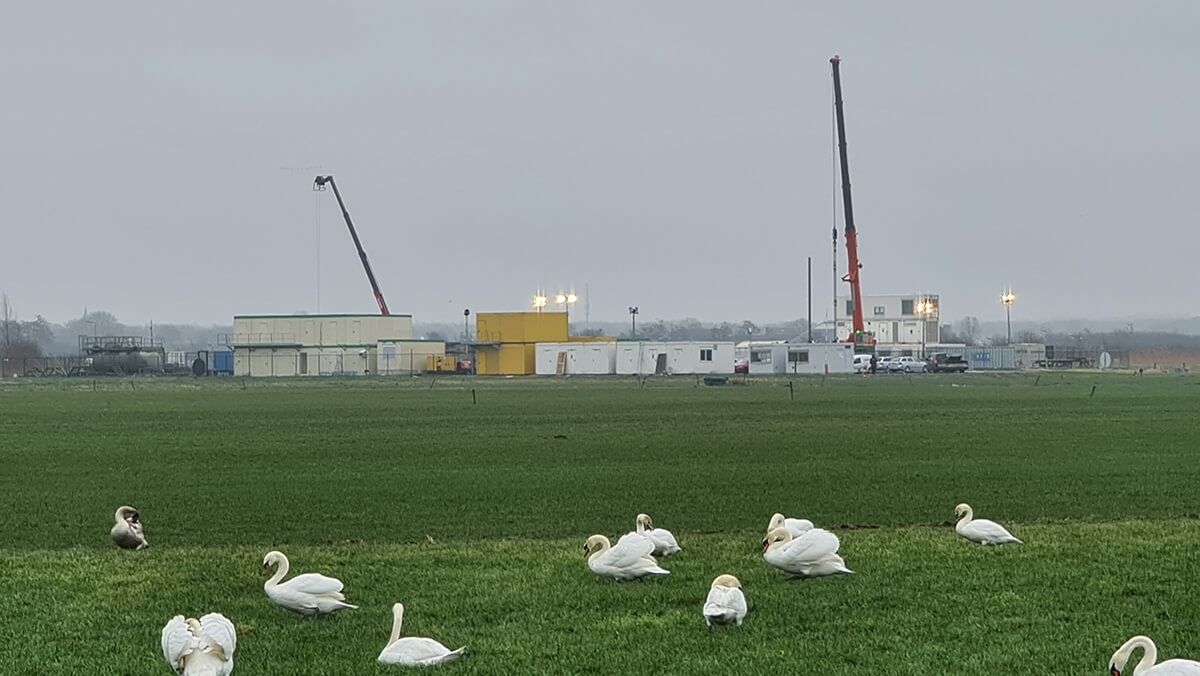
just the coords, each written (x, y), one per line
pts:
(1007, 298)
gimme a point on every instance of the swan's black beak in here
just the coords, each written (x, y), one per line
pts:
(765, 545)
(1113, 670)
(585, 550)
(266, 568)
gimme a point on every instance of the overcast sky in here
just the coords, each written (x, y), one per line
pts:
(158, 157)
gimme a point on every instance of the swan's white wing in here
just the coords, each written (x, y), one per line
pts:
(664, 540)
(1174, 668)
(797, 527)
(315, 583)
(723, 600)
(986, 530)
(177, 642)
(414, 650)
(218, 631)
(629, 549)
(813, 545)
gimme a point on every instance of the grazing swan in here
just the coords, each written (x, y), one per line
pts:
(127, 532)
(310, 594)
(411, 651)
(726, 604)
(631, 559)
(813, 554)
(1147, 667)
(662, 539)
(980, 530)
(201, 647)
(796, 527)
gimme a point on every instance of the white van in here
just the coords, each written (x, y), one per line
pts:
(862, 363)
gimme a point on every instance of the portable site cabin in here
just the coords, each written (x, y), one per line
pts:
(799, 358)
(326, 345)
(577, 358)
(636, 357)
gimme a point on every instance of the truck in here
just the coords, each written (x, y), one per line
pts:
(941, 362)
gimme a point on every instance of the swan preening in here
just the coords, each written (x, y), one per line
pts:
(813, 554)
(980, 530)
(725, 603)
(1147, 667)
(412, 651)
(796, 527)
(310, 594)
(127, 531)
(662, 539)
(201, 647)
(630, 559)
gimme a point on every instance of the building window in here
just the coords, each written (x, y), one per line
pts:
(906, 307)
(706, 355)
(879, 310)
(849, 306)
(760, 356)
(800, 356)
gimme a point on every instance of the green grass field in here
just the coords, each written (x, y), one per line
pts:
(474, 516)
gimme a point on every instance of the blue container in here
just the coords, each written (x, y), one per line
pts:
(222, 362)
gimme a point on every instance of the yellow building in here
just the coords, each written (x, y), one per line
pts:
(506, 341)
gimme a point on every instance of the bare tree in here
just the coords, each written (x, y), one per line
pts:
(969, 328)
(10, 330)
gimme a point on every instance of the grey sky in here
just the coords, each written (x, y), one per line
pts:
(673, 155)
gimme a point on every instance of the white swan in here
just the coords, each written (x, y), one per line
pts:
(201, 647)
(310, 594)
(411, 651)
(662, 539)
(726, 604)
(813, 554)
(980, 530)
(630, 559)
(796, 527)
(1147, 667)
(127, 531)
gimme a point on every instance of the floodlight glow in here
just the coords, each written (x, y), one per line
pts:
(560, 299)
(1007, 298)
(539, 301)
(571, 298)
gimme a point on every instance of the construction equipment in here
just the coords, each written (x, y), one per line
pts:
(319, 184)
(863, 341)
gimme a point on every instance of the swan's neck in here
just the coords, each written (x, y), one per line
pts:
(1149, 656)
(605, 545)
(966, 517)
(279, 573)
(119, 516)
(397, 620)
(641, 527)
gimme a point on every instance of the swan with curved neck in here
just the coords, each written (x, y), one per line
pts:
(630, 559)
(1146, 666)
(414, 651)
(310, 594)
(663, 540)
(813, 554)
(127, 532)
(980, 530)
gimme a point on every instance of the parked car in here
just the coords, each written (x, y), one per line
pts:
(862, 363)
(881, 364)
(906, 364)
(741, 366)
(946, 363)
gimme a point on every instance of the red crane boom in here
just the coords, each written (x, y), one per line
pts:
(319, 184)
(863, 341)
